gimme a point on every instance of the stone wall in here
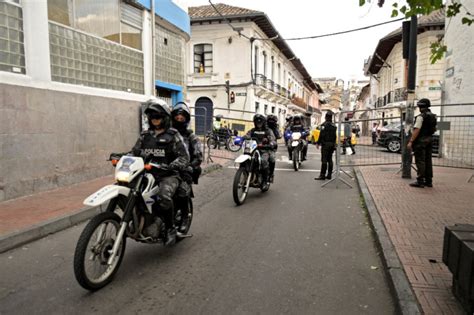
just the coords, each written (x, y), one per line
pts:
(50, 139)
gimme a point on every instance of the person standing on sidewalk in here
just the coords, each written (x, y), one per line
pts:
(374, 134)
(327, 139)
(422, 143)
(347, 137)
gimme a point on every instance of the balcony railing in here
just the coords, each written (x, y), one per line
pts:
(270, 85)
(277, 89)
(260, 80)
(263, 81)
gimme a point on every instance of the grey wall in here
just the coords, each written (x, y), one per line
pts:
(50, 139)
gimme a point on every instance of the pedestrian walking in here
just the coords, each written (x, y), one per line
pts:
(422, 144)
(327, 141)
(374, 133)
(347, 137)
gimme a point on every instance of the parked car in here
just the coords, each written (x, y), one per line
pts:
(390, 138)
(316, 130)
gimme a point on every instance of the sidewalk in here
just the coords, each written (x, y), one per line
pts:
(31, 217)
(414, 220)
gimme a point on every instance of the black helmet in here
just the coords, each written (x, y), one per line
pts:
(258, 118)
(158, 108)
(423, 103)
(181, 108)
(272, 120)
(298, 117)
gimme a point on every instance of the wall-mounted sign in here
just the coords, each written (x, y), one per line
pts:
(434, 88)
(241, 94)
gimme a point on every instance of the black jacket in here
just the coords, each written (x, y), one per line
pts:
(328, 134)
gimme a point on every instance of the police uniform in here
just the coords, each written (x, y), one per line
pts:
(299, 128)
(423, 147)
(264, 136)
(166, 148)
(327, 140)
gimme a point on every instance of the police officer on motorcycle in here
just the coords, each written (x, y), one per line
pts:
(272, 122)
(297, 125)
(164, 146)
(266, 143)
(181, 117)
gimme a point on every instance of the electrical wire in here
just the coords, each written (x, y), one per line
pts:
(345, 32)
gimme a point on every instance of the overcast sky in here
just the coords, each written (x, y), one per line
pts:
(339, 56)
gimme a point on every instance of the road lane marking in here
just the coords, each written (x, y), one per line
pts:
(285, 169)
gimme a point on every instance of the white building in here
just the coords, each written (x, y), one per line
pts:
(264, 75)
(389, 69)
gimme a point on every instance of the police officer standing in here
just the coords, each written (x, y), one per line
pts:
(166, 148)
(327, 139)
(422, 143)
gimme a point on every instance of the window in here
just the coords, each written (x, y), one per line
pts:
(265, 110)
(265, 64)
(257, 107)
(203, 58)
(98, 17)
(273, 109)
(131, 36)
(278, 73)
(256, 60)
(60, 11)
(273, 69)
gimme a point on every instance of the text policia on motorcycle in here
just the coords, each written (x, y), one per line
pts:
(143, 204)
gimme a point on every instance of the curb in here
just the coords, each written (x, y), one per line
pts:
(406, 301)
(40, 230)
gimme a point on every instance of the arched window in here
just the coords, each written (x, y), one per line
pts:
(203, 58)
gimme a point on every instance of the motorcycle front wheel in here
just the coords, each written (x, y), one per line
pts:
(211, 143)
(240, 189)
(231, 144)
(296, 162)
(93, 250)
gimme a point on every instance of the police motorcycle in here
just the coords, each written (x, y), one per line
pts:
(296, 144)
(249, 173)
(101, 246)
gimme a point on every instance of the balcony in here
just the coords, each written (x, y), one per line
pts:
(400, 95)
(270, 90)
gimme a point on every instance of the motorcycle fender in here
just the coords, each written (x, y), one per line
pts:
(105, 194)
(294, 144)
(241, 159)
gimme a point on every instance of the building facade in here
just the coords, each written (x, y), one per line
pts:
(237, 76)
(389, 69)
(72, 74)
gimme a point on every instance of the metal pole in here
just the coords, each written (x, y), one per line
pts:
(410, 109)
(153, 47)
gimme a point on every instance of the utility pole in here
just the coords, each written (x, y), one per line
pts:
(410, 107)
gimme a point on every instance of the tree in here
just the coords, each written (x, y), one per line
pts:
(425, 7)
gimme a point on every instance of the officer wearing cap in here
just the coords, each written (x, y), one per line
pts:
(327, 139)
(421, 142)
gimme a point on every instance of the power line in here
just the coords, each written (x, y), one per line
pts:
(345, 32)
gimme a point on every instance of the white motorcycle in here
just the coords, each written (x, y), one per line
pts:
(101, 246)
(249, 173)
(296, 144)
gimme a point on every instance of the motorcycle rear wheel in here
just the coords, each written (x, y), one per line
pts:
(212, 143)
(179, 223)
(296, 162)
(98, 252)
(231, 144)
(240, 189)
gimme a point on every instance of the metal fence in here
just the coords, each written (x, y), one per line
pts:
(453, 142)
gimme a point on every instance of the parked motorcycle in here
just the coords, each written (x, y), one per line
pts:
(296, 145)
(249, 173)
(101, 246)
(216, 140)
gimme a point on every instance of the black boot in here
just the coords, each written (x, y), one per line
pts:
(171, 237)
(321, 177)
(417, 184)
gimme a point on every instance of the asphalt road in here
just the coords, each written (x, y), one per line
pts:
(296, 249)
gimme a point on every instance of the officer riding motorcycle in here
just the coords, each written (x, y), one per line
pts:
(266, 144)
(272, 122)
(181, 117)
(166, 147)
(297, 125)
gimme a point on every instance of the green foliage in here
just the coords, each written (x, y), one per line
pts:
(425, 7)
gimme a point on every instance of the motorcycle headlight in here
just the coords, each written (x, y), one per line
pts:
(123, 176)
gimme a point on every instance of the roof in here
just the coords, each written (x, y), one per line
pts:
(386, 44)
(207, 13)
